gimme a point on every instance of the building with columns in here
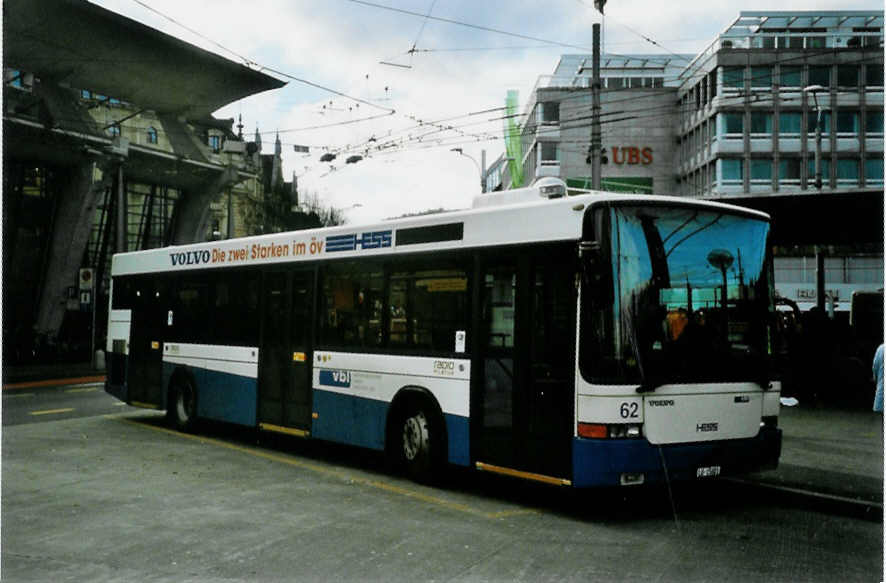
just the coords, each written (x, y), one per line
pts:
(109, 145)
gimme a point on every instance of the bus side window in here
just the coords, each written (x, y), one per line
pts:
(236, 314)
(124, 290)
(352, 306)
(428, 307)
(191, 312)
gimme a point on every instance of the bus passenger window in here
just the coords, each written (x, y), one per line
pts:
(428, 307)
(352, 311)
(499, 307)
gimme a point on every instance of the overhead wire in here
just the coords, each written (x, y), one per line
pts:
(465, 24)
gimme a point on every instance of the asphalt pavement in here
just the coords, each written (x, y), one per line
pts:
(830, 456)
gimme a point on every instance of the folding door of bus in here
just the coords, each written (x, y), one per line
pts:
(523, 392)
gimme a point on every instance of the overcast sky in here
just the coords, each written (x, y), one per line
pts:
(455, 73)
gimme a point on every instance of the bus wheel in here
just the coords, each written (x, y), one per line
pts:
(415, 445)
(182, 408)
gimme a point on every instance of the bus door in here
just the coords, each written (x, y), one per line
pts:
(149, 316)
(523, 396)
(284, 378)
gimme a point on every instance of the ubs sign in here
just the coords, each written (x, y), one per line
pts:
(631, 155)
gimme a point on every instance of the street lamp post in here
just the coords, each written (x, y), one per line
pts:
(480, 170)
(819, 254)
(813, 90)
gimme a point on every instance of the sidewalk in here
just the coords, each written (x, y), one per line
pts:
(830, 453)
(827, 453)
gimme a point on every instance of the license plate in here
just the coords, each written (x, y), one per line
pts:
(707, 472)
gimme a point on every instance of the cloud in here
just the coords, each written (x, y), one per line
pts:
(339, 44)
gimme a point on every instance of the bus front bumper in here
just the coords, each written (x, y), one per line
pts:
(615, 462)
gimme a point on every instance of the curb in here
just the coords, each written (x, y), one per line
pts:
(55, 382)
(833, 503)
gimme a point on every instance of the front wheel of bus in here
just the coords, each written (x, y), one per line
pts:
(182, 408)
(415, 445)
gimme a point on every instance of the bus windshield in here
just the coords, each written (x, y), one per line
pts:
(683, 295)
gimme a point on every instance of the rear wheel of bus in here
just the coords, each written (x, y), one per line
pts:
(415, 441)
(181, 410)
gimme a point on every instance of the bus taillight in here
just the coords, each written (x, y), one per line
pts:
(609, 431)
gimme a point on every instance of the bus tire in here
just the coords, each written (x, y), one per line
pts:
(182, 404)
(418, 444)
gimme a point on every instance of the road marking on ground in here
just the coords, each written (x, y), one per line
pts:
(82, 390)
(54, 383)
(51, 411)
(344, 476)
(18, 396)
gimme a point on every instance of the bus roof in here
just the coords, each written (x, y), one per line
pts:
(532, 219)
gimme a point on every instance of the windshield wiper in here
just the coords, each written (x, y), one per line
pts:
(649, 386)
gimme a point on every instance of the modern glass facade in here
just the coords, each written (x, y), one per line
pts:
(736, 121)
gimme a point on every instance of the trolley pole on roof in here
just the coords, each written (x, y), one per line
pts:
(596, 139)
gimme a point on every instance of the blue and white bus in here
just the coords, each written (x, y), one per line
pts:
(589, 340)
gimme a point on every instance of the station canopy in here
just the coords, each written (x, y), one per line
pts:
(81, 45)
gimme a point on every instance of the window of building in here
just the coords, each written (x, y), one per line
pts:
(873, 170)
(820, 75)
(825, 122)
(733, 77)
(873, 75)
(151, 135)
(790, 123)
(789, 170)
(549, 151)
(847, 75)
(764, 42)
(790, 42)
(847, 171)
(615, 82)
(847, 122)
(657, 82)
(761, 77)
(636, 82)
(732, 169)
(731, 123)
(215, 142)
(761, 170)
(114, 130)
(816, 42)
(874, 122)
(550, 112)
(790, 76)
(761, 122)
(712, 85)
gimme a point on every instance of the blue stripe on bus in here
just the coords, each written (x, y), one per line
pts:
(349, 419)
(360, 421)
(221, 396)
(600, 462)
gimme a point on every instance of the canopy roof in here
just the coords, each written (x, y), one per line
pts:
(82, 45)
